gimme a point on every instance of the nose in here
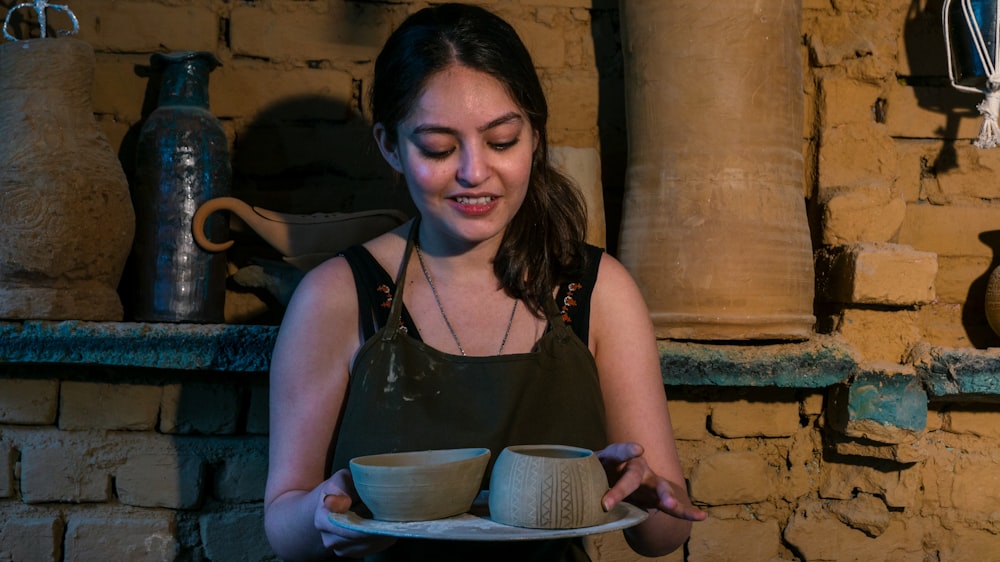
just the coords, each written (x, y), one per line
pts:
(473, 166)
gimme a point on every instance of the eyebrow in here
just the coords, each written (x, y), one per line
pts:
(440, 129)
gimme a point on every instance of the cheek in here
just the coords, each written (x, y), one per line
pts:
(517, 173)
(426, 179)
(422, 174)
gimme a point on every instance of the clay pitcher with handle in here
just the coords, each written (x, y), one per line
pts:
(305, 240)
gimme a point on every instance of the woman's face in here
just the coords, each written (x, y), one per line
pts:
(465, 150)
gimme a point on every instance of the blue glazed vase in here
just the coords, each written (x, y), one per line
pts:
(182, 160)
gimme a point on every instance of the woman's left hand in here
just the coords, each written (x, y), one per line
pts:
(633, 480)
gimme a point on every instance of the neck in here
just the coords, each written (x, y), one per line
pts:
(458, 258)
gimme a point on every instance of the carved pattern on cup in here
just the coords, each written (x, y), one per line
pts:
(547, 492)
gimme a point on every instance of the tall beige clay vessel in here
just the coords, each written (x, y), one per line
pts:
(714, 226)
(66, 219)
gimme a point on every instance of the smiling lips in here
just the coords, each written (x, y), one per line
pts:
(474, 200)
(475, 205)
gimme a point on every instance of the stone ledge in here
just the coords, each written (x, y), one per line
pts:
(950, 373)
(209, 347)
(877, 396)
(820, 362)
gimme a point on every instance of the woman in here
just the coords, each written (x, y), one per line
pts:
(445, 332)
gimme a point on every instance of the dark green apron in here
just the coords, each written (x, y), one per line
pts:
(405, 396)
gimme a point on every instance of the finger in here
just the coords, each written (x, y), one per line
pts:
(692, 513)
(336, 502)
(665, 498)
(668, 503)
(338, 493)
(629, 480)
(345, 481)
(688, 512)
(619, 452)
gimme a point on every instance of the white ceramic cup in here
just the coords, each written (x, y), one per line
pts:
(547, 487)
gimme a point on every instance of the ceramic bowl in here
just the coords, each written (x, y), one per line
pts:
(547, 487)
(419, 485)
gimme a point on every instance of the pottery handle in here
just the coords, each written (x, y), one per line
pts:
(205, 210)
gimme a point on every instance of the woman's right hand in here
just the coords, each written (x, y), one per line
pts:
(337, 495)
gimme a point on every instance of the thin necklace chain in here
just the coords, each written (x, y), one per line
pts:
(437, 299)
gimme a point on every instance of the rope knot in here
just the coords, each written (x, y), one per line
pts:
(989, 108)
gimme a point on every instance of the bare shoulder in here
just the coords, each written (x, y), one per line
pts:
(322, 317)
(320, 320)
(330, 285)
(615, 283)
(388, 248)
(618, 311)
(323, 287)
(611, 270)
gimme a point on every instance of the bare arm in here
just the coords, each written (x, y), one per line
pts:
(309, 375)
(650, 474)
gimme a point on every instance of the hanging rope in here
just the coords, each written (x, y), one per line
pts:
(989, 108)
(989, 131)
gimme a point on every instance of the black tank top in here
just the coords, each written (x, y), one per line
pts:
(404, 395)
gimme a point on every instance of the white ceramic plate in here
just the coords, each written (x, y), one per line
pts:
(476, 525)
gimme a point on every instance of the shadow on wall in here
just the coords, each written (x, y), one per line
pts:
(612, 134)
(302, 155)
(306, 154)
(974, 311)
(927, 53)
(923, 40)
(311, 154)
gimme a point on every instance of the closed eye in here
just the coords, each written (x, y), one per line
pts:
(436, 154)
(502, 146)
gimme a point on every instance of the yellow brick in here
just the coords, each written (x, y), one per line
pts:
(246, 88)
(312, 31)
(147, 27)
(949, 230)
(919, 112)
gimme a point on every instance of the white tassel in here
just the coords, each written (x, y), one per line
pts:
(989, 108)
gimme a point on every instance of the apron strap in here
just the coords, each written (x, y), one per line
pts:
(396, 309)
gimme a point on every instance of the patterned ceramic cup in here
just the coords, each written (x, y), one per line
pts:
(547, 487)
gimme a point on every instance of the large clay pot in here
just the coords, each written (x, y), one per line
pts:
(714, 225)
(66, 221)
(182, 160)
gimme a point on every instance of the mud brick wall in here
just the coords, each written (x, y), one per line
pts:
(99, 464)
(891, 457)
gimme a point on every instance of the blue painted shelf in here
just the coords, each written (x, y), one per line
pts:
(951, 373)
(817, 363)
(209, 347)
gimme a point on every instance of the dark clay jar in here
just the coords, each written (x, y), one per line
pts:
(182, 161)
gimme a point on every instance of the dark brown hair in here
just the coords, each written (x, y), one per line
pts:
(543, 245)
